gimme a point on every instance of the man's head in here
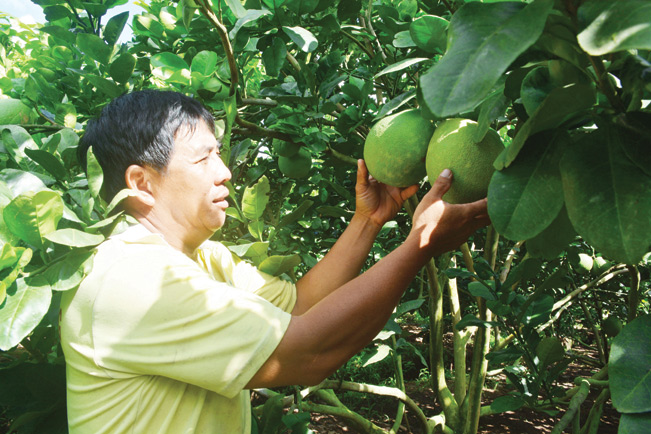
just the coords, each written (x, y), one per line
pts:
(139, 128)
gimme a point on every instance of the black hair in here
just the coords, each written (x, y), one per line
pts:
(139, 128)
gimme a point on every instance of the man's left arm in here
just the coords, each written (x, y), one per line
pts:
(376, 203)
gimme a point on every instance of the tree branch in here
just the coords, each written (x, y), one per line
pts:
(206, 9)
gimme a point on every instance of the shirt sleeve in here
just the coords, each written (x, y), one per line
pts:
(158, 316)
(224, 266)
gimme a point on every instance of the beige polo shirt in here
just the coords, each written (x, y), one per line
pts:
(157, 342)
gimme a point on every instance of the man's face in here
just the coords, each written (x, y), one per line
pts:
(192, 188)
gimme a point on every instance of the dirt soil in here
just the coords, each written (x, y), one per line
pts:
(523, 421)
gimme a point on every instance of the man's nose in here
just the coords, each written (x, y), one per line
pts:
(223, 172)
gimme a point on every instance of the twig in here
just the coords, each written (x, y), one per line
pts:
(358, 43)
(206, 9)
(259, 101)
(575, 404)
(633, 293)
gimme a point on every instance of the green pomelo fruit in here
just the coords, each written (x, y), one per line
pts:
(453, 147)
(13, 111)
(395, 148)
(584, 263)
(611, 326)
(285, 149)
(296, 166)
(601, 265)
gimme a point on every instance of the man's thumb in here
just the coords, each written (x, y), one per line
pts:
(442, 183)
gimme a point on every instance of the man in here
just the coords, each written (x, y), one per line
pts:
(168, 331)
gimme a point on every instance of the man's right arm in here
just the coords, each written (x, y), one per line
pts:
(322, 339)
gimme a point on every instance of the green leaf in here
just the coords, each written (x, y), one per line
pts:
(20, 182)
(492, 108)
(251, 250)
(334, 211)
(255, 199)
(277, 265)
(549, 350)
(66, 114)
(478, 289)
(553, 239)
(170, 67)
(149, 26)
(348, 9)
(48, 162)
(94, 47)
(429, 32)
(639, 423)
(608, 26)
(561, 105)
(607, 196)
(302, 7)
(56, 12)
(409, 306)
(74, 238)
(539, 311)
(122, 67)
(296, 214)
(95, 173)
(380, 353)
(9, 256)
(629, 367)
(16, 140)
(251, 16)
(273, 57)
(471, 320)
(403, 40)
(523, 272)
(23, 310)
(205, 63)
(31, 216)
(483, 40)
(399, 66)
(105, 86)
(114, 27)
(524, 198)
(68, 273)
(236, 7)
(60, 33)
(536, 86)
(505, 403)
(302, 37)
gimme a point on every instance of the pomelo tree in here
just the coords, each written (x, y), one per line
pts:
(565, 83)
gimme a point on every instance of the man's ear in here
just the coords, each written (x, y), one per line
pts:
(139, 180)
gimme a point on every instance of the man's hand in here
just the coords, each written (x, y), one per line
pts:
(440, 226)
(378, 202)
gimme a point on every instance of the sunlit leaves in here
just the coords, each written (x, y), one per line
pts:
(170, 67)
(607, 196)
(628, 366)
(483, 40)
(561, 105)
(609, 26)
(302, 37)
(429, 33)
(31, 216)
(525, 198)
(24, 308)
(273, 57)
(122, 67)
(94, 47)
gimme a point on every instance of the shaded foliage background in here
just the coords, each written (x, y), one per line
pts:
(565, 83)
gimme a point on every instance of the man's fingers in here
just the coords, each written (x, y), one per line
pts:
(479, 212)
(362, 173)
(408, 192)
(442, 184)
